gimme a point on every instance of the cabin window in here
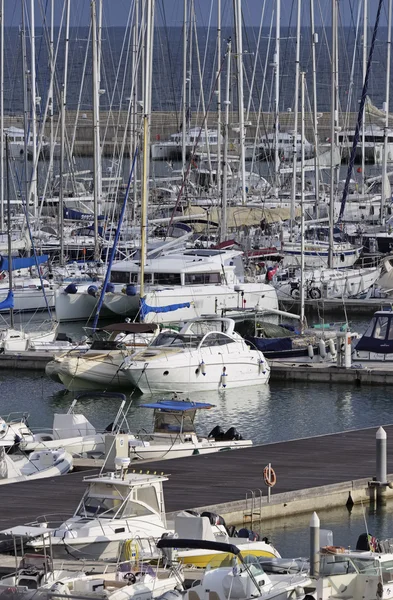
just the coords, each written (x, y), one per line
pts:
(390, 334)
(133, 509)
(99, 507)
(120, 277)
(202, 278)
(148, 496)
(167, 278)
(217, 339)
(370, 329)
(134, 278)
(381, 328)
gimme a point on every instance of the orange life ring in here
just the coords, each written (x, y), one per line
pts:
(269, 476)
(333, 549)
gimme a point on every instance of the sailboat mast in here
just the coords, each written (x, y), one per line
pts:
(146, 137)
(302, 282)
(276, 62)
(296, 109)
(63, 104)
(332, 131)
(9, 238)
(387, 102)
(50, 91)
(96, 131)
(33, 185)
(365, 25)
(25, 104)
(2, 116)
(218, 93)
(226, 141)
(184, 93)
(314, 41)
(240, 92)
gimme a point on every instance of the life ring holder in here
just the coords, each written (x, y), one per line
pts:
(269, 476)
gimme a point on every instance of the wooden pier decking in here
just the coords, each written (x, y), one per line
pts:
(207, 480)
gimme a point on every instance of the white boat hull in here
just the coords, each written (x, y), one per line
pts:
(181, 450)
(76, 307)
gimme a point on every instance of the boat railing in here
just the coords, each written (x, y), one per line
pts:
(15, 416)
(50, 520)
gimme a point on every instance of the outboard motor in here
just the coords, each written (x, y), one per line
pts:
(232, 434)
(366, 543)
(217, 433)
(71, 288)
(194, 513)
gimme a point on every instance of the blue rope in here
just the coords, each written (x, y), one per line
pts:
(360, 114)
(115, 242)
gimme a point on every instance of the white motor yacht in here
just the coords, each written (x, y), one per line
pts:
(116, 507)
(195, 139)
(99, 366)
(184, 286)
(174, 434)
(206, 354)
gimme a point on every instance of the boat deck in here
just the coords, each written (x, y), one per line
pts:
(206, 480)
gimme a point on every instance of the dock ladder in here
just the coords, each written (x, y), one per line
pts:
(253, 508)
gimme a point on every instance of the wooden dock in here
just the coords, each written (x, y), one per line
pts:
(372, 374)
(208, 480)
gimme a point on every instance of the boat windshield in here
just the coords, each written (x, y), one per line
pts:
(111, 508)
(250, 563)
(334, 564)
(176, 340)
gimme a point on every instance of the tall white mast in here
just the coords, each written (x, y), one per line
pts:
(332, 131)
(96, 130)
(33, 185)
(314, 41)
(276, 62)
(218, 92)
(50, 91)
(63, 104)
(365, 24)
(296, 109)
(184, 92)
(302, 282)
(386, 126)
(146, 136)
(242, 132)
(226, 140)
(2, 117)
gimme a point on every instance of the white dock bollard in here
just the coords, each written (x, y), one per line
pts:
(344, 349)
(314, 544)
(381, 458)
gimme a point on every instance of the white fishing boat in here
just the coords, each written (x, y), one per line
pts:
(174, 434)
(99, 366)
(184, 286)
(117, 506)
(196, 138)
(206, 354)
(37, 465)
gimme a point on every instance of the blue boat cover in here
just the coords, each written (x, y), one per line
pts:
(22, 263)
(8, 302)
(178, 405)
(270, 344)
(146, 309)
(379, 334)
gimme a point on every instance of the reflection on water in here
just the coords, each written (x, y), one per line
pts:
(291, 535)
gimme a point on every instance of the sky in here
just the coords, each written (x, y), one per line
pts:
(170, 11)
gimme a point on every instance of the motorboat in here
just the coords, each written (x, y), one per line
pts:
(37, 577)
(285, 142)
(37, 465)
(100, 365)
(118, 509)
(187, 285)
(174, 434)
(206, 354)
(376, 343)
(71, 431)
(209, 526)
(196, 138)
(232, 575)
